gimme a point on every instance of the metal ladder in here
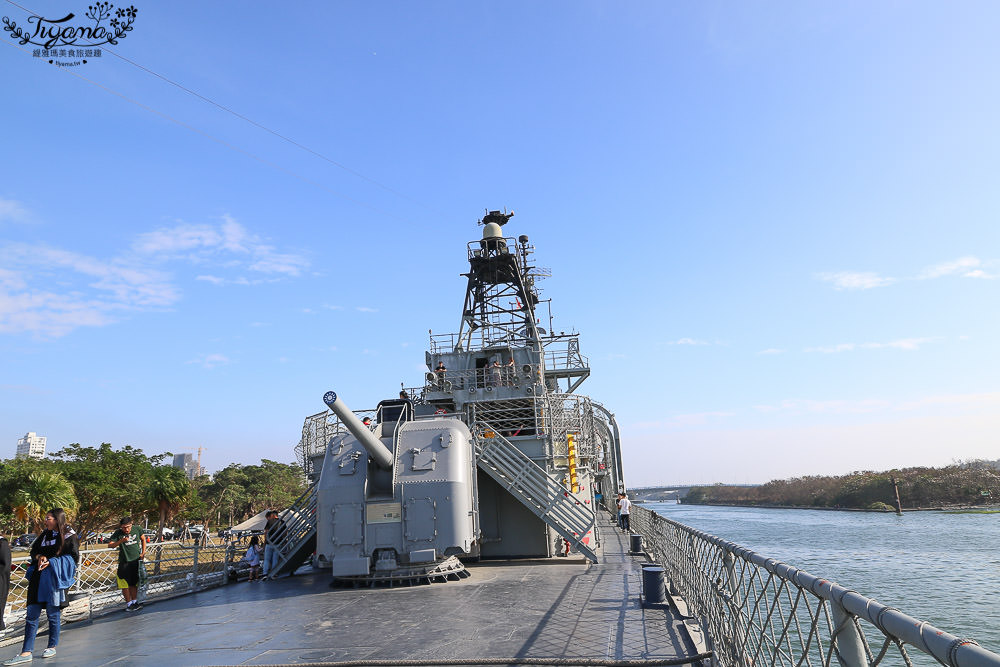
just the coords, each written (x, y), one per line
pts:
(297, 541)
(531, 485)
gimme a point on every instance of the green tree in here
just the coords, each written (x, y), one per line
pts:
(168, 490)
(39, 492)
(110, 483)
(273, 485)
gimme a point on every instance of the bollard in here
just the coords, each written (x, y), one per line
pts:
(653, 592)
(636, 543)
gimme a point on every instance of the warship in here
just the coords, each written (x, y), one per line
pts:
(471, 521)
(496, 455)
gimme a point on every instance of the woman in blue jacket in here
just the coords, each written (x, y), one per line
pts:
(54, 556)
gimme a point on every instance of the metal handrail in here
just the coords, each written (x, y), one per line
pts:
(299, 524)
(96, 590)
(535, 488)
(760, 611)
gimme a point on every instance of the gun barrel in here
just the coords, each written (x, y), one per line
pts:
(379, 453)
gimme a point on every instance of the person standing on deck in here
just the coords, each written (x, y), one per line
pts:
(54, 555)
(270, 548)
(131, 544)
(5, 558)
(624, 508)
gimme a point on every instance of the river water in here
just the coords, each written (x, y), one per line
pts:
(939, 567)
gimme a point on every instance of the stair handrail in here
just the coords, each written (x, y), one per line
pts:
(299, 525)
(568, 517)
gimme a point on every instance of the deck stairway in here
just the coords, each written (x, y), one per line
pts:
(297, 542)
(531, 485)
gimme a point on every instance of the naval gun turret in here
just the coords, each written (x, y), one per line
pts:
(495, 456)
(399, 493)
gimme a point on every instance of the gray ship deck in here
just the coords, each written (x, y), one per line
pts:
(563, 608)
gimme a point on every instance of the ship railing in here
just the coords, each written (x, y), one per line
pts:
(170, 569)
(317, 430)
(759, 611)
(552, 415)
(482, 379)
(564, 354)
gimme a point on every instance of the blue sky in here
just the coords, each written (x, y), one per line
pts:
(774, 224)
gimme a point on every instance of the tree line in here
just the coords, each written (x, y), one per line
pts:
(962, 483)
(99, 485)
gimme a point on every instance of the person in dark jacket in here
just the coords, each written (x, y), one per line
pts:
(4, 579)
(54, 555)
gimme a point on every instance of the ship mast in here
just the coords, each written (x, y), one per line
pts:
(500, 297)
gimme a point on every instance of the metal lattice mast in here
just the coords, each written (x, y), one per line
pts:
(500, 297)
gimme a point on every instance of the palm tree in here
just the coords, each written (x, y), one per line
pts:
(168, 489)
(41, 491)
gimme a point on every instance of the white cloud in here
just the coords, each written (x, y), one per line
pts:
(366, 309)
(50, 291)
(908, 344)
(49, 314)
(12, 211)
(837, 407)
(210, 360)
(979, 273)
(269, 261)
(228, 244)
(965, 267)
(947, 403)
(687, 341)
(686, 420)
(962, 266)
(854, 280)
(771, 350)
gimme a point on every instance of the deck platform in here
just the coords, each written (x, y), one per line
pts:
(564, 608)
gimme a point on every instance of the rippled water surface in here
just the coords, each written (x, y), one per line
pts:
(940, 567)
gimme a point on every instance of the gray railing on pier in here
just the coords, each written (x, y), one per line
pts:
(762, 612)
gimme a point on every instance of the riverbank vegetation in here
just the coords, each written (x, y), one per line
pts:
(960, 484)
(98, 485)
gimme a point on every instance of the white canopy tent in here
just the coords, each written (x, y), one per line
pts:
(256, 522)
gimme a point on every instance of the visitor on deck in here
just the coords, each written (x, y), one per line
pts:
(54, 555)
(253, 557)
(5, 559)
(131, 544)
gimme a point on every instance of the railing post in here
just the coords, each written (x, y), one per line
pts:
(194, 570)
(729, 562)
(850, 649)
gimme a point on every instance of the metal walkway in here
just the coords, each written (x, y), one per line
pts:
(536, 490)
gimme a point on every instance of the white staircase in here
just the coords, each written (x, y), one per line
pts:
(297, 541)
(536, 490)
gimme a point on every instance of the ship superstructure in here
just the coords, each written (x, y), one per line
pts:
(495, 455)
